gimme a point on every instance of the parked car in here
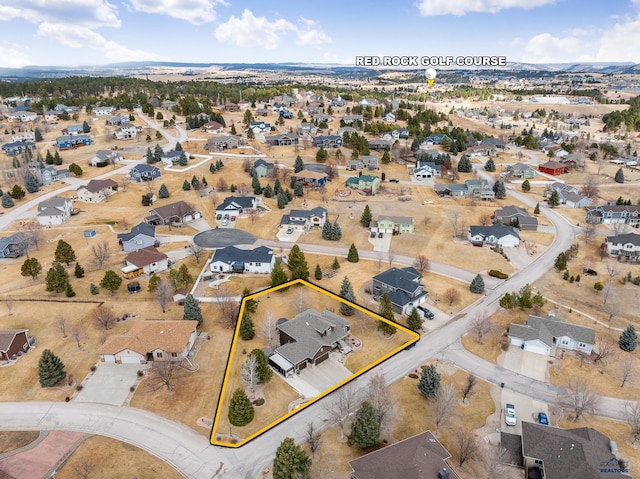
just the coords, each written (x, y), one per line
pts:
(394, 180)
(289, 230)
(233, 218)
(427, 313)
(343, 347)
(381, 234)
(218, 217)
(543, 419)
(373, 234)
(510, 414)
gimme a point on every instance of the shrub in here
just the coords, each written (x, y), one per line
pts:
(140, 373)
(498, 274)
(93, 368)
(598, 286)
(79, 387)
(258, 402)
(132, 388)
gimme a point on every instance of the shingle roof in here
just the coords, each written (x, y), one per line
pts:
(179, 209)
(498, 230)
(7, 336)
(315, 175)
(545, 329)
(632, 238)
(95, 186)
(139, 229)
(145, 256)
(238, 202)
(16, 238)
(231, 254)
(55, 202)
(147, 336)
(400, 220)
(405, 279)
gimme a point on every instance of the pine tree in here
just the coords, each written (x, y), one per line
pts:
(75, 169)
(336, 231)
(282, 200)
(203, 182)
(233, 129)
(186, 186)
(336, 264)
(111, 281)
(30, 182)
(93, 289)
(153, 283)
(31, 267)
(265, 373)
(628, 339)
(78, 272)
(386, 158)
(499, 189)
(536, 210)
(346, 292)
(298, 165)
(240, 409)
(526, 186)
(51, 370)
(178, 146)
(365, 432)
(365, 219)
(183, 160)
(38, 135)
(57, 278)
(57, 159)
(297, 263)
(352, 256)
(477, 285)
(386, 311)
(429, 383)
(560, 263)
(195, 183)
(69, 292)
(64, 253)
(278, 275)
(298, 189)
(212, 168)
(277, 187)
(291, 462)
(490, 165)
(414, 320)
(146, 200)
(464, 165)
(17, 193)
(48, 159)
(163, 192)
(247, 330)
(192, 311)
(7, 201)
(255, 184)
(149, 156)
(619, 178)
(157, 153)
(317, 274)
(326, 230)
(267, 191)
(554, 199)
(250, 305)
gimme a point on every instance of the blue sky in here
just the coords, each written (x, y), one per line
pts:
(97, 32)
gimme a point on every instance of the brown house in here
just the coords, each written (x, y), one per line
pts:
(13, 343)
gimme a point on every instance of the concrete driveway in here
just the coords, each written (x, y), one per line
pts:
(292, 237)
(314, 380)
(381, 244)
(526, 363)
(109, 384)
(527, 409)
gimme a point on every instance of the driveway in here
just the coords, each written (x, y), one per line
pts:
(109, 384)
(526, 363)
(381, 244)
(527, 410)
(292, 237)
(221, 237)
(314, 380)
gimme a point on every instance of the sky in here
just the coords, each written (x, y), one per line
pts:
(99, 32)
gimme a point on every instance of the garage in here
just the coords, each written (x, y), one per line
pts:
(537, 347)
(322, 358)
(129, 360)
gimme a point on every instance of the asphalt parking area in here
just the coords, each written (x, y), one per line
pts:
(221, 237)
(109, 384)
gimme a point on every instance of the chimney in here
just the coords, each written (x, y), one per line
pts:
(443, 474)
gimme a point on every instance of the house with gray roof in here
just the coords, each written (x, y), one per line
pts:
(236, 260)
(223, 142)
(143, 172)
(521, 170)
(380, 144)
(516, 217)
(54, 211)
(106, 157)
(495, 234)
(327, 141)
(624, 246)
(350, 119)
(238, 204)
(140, 236)
(542, 335)
(170, 158)
(16, 148)
(304, 220)
(262, 168)
(13, 246)
(426, 169)
(403, 286)
(370, 162)
(46, 176)
(469, 189)
(568, 195)
(609, 214)
(307, 339)
(283, 139)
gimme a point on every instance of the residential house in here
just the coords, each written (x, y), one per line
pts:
(426, 169)
(24, 136)
(177, 213)
(470, 189)
(143, 172)
(582, 452)
(167, 104)
(368, 184)
(400, 134)
(67, 142)
(542, 334)
(238, 205)
(568, 195)
(261, 112)
(346, 129)
(54, 211)
(403, 286)
(284, 139)
(419, 456)
(307, 128)
(493, 142)
(149, 259)
(236, 260)
(516, 217)
(495, 234)
(126, 132)
(337, 102)
(212, 127)
(389, 118)
(13, 246)
(105, 157)
(553, 168)
(380, 144)
(151, 340)
(262, 168)
(119, 120)
(436, 139)
(306, 340)
(18, 147)
(103, 110)
(231, 107)
(73, 130)
(370, 162)
(609, 214)
(52, 116)
(624, 246)
(322, 118)
(521, 170)
(369, 102)
(304, 220)
(22, 115)
(311, 178)
(14, 343)
(350, 119)
(259, 127)
(426, 154)
(140, 236)
(46, 176)
(223, 142)
(393, 224)
(170, 158)
(327, 141)
(96, 190)
(61, 107)
(480, 150)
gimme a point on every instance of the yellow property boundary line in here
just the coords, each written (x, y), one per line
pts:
(415, 338)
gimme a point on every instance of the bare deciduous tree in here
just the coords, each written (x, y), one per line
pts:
(249, 373)
(632, 417)
(243, 189)
(85, 469)
(480, 325)
(124, 182)
(451, 296)
(33, 235)
(442, 406)
(421, 263)
(378, 395)
(196, 251)
(589, 232)
(344, 401)
(61, 324)
(465, 446)
(100, 253)
(590, 188)
(253, 214)
(606, 348)
(78, 335)
(226, 305)
(618, 228)
(269, 330)
(627, 369)
(467, 389)
(485, 219)
(391, 256)
(163, 293)
(454, 220)
(580, 399)
(313, 439)
(221, 184)
(165, 374)
(104, 316)
(285, 175)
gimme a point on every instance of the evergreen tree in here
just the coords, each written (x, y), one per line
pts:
(163, 192)
(93, 289)
(536, 210)
(560, 263)
(386, 158)
(526, 186)
(477, 285)
(7, 201)
(212, 168)
(277, 187)
(64, 253)
(298, 165)
(111, 281)
(38, 135)
(195, 183)
(78, 272)
(51, 370)
(251, 134)
(298, 189)
(183, 160)
(336, 231)
(247, 330)
(149, 156)
(365, 219)
(75, 169)
(48, 159)
(178, 146)
(57, 159)
(219, 164)
(186, 186)
(326, 230)
(365, 432)
(233, 129)
(17, 193)
(255, 184)
(57, 278)
(346, 292)
(386, 311)
(317, 274)
(291, 462)
(352, 256)
(157, 153)
(628, 339)
(297, 263)
(240, 409)
(31, 267)
(30, 182)
(429, 383)
(282, 200)
(267, 191)
(153, 283)
(203, 182)
(321, 155)
(250, 305)
(69, 292)
(192, 311)
(554, 199)
(490, 165)
(414, 320)
(619, 178)
(499, 189)
(278, 275)
(464, 165)
(336, 264)
(85, 127)
(265, 373)
(146, 200)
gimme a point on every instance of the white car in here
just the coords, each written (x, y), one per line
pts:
(510, 415)
(343, 347)
(632, 163)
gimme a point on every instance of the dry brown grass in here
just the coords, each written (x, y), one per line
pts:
(12, 440)
(108, 458)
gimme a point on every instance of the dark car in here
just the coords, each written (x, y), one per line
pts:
(394, 180)
(426, 312)
(543, 419)
(373, 234)
(381, 234)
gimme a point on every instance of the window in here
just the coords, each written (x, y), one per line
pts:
(258, 264)
(174, 355)
(159, 355)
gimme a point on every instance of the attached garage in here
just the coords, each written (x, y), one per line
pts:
(537, 347)
(322, 357)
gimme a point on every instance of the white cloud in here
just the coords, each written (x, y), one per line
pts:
(620, 43)
(580, 32)
(430, 8)
(545, 48)
(85, 13)
(252, 31)
(12, 58)
(196, 12)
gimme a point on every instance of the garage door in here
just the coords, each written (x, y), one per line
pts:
(322, 358)
(508, 244)
(109, 358)
(537, 348)
(129, 360)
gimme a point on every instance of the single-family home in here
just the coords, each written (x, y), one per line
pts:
(167, 104)
(151, 340)
(351, 119)
(24, 136)
(22, 115)
(516, 217)
(46, 176)
(103, 110)
(369, 102)
(14, 343)
(426, 169)
(428, 154)
(118, 120)
(283, 139)
(73, 130)
(380, 144)
(307, 128)
(495, 234)
(328, 141)
(493, 142)
(553, 168)
(322, 118)
(480, 150)
(54, 211)
(370, 162)
(261, 112)
(66, 109)
(521, 170)
(238, 205)
(96, 190)
(140, 236)
(172, 157)
(568, 195)
(436, 139)
(304, 220)
(212, 127)
(126, 132)
(223, 142)
(149, 259)
(368, 184)
(105, 157)
(542, 334)
(177, 213)
(393, 224)
(311, 178)
(389, 117)
(307, 339)
(624, 246)
(16, 148)
(419, 456)
(608, 214)
(143, 172)
(13, 246)
(231, 107)
(236, 260)
(470, 189)
(403, 287)
(52, 116)
(337, 102)
(67, 142)
(262, 168)
(259, 127)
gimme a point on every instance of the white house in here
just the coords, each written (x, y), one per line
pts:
(235, 260)
(55, 211)
(106, 156)
(24, 136)
(625, 246)
(22, 115)
(149, 259)
(542, 334)
(425, 170)
(125, 132)
(304, 220)
(96, 191)
(389, 118)
(497, 233)
(103, 110)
